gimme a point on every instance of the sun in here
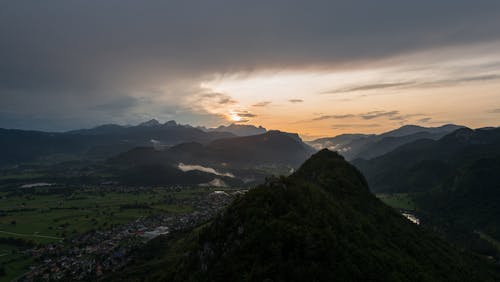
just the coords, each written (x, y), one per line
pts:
(234, 117)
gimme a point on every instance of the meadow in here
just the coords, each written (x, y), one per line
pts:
(44, 215)
(401, 201)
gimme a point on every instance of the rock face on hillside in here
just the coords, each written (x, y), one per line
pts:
(319, 224)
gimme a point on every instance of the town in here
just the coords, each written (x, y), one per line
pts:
(106, 231)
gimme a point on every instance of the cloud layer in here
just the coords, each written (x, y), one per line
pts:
(95, 61)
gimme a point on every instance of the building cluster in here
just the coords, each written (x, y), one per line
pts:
(91, 255)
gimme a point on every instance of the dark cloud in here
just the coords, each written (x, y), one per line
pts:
(295, 100)
(416, 84)
(369, 87)
(378, 114)
(118, 104)
(404, 117)
(390, 115)
(262, 104)
(82, 54)
(333, 117)
(454, 81)
(245, 114)
(425, 120)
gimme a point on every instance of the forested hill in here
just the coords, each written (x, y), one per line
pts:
(319, 224)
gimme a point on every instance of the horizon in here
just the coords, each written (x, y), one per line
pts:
(303, 137)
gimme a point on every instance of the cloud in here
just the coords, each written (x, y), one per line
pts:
(64, 58)
(390, 115)
(219, 98)
(261, 104)
(120, 103)
(425, 120)
(422, 83)
(295, 100)
(324, 117)
(245, 114)
(404, 117)
(378, 114)
(242, 121)
(185, 167)
(369, 87)
(350, 125)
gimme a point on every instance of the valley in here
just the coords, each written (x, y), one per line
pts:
(40, 225)
(79, 217)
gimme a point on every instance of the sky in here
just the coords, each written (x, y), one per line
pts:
(319, 68)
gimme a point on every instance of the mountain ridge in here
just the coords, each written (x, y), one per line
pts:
(368, 146)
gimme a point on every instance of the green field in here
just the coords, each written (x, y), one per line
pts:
(13, 261)
(42, 216)
(46, 218)
(398, 200)
(22, 176)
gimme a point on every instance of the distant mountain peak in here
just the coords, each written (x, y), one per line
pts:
(410, 129)
(238, 129)
(170, 123)
(150, 123)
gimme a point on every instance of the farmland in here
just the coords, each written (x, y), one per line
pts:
(53, 214)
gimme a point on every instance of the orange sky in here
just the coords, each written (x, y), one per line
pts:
(430, 89)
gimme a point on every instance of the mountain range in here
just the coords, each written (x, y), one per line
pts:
(17, 146)
(270, 148)
(238, 129)
(247, 157)
(368, 146)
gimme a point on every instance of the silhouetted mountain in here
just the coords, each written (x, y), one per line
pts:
(319, 224)
(150, 123)
(402, 170)
(239, 129)
(102, 141)
(170, 123)
(338, 143)
(385, 144)
(353, 146)
(273, 148)
(413, 129)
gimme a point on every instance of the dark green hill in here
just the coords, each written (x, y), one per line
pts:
(455, 182)
(319, 224)
(420, 165)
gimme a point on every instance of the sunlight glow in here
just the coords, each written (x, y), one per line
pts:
(234, 116)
